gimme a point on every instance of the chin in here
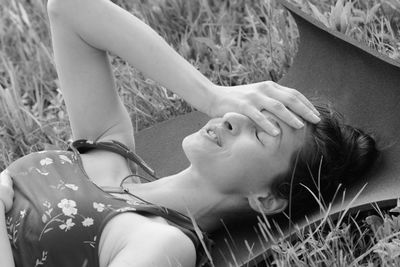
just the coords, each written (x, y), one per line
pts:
(195, 150)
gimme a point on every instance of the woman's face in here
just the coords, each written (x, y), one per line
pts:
(237, 156)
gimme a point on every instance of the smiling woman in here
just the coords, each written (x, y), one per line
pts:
(240, 158)
(233, 148)
(69, 207)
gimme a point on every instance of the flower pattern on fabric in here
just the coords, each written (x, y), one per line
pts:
(98, 206)
(46, 161)
(42, 172)
(91, 243)
(62, 185)
(12, 227)
(72, 186)
(87, 222)
(67, 225)
(42, 260)
(64, 159)
(68, 207)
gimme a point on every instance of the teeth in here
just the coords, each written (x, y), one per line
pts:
(213, 135)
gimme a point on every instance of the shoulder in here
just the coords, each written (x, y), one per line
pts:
(42, 159)
(152, 243)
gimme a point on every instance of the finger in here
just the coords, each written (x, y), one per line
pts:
(302, 98)
(5, 179)
(263, 122)
(293, 93)
(293, 102)
(281, 111)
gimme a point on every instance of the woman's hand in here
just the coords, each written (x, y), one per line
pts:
(6, 190)
(251, 99)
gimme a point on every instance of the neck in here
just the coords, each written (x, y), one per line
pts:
(191, 194)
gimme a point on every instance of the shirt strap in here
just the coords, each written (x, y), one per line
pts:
(83, 145)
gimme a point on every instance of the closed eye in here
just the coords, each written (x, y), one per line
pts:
(256, 134)
(256, 130)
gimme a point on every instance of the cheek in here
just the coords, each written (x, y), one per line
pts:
(197, 150)
(259, 168)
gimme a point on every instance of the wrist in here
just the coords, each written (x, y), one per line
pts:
(211, 98)
(216, 103)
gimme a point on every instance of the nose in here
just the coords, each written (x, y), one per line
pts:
(234, 123)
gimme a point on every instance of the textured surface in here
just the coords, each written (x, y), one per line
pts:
(360, 83)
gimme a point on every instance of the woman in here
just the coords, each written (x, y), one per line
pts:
(242, 161)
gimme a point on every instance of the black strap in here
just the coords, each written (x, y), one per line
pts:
(84, 145)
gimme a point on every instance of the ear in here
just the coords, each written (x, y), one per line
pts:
(267, 203)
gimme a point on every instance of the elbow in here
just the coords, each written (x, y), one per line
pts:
(63, 8)
(54, 8)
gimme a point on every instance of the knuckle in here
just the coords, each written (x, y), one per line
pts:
(296, 94)
(257, 115)
(269, 83)
(266, 85)
(292, 98)
(278, 106)
(253, 95)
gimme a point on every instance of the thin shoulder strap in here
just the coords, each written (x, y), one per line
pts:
(83, 145)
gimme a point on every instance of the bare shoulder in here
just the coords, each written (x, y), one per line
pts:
(152, 242)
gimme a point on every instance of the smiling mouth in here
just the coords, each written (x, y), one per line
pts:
(212, 135)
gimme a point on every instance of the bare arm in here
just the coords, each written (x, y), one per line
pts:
(6, 255)
(82, 32)
(6, 197)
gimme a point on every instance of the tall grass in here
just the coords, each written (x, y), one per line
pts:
(231, 42)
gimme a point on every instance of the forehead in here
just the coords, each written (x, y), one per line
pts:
(291, 139)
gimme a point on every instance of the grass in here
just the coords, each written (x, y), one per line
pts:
(231, 42)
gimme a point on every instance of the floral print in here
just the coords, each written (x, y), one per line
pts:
(72, 186)
(42, 260)
(98, 206)
(64, 159)
(68, 207)
(67, 225)
(67, 204)
(46, 161)
(42, 172)
(12, 228)
(62, 185)
(87, 222)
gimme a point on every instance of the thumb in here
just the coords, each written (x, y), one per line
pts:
(5, 179)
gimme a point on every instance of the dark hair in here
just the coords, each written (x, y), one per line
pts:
(334, 153)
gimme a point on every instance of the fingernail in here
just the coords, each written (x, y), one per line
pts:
(299, 124)
(316, 112)
(316, 118)
(275, 132)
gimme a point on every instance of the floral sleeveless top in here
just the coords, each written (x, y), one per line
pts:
(58, 214)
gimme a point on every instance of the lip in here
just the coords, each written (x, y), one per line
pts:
(205, 130)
